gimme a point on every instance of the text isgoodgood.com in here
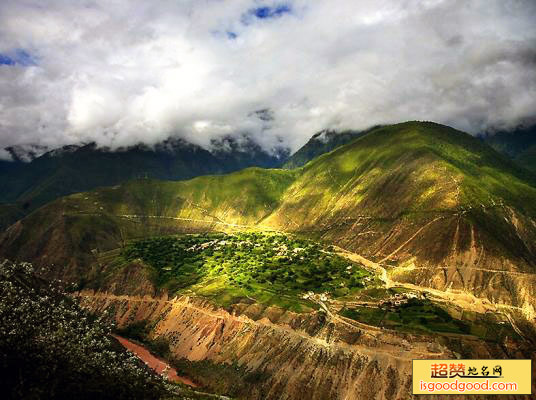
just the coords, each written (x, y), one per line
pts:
(458, 386)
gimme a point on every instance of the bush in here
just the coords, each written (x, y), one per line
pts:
(50, 348)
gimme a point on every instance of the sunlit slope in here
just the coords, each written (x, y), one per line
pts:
(409, 174)
(69, 231)
(243, 197)
(436, 206)
(410, 167)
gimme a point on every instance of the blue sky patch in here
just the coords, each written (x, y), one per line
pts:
(266, 12)
(5, 60)
(231, 35)
(24, 58)
(17, 57)
(270, 12)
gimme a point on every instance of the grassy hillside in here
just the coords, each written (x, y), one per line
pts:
(435, 205)
(415, 165)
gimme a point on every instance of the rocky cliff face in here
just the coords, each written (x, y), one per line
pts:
(292, 356)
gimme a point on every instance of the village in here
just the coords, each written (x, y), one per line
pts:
(400, 299)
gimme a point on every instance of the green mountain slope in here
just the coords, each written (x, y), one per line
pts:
(408, 168)
(435, 206)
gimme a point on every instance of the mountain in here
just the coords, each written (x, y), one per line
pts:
(437, 206)
(320, 143)
(26, 153)
(71, 169)
(518, 144)
(236, 152)
(412, 241)
(528, 158)
(513, 142)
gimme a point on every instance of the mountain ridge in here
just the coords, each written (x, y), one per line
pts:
(323, 142)
(438, 206)
(320, 143)
(27, 185)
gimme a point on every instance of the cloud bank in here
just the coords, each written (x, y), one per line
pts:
(120, 72)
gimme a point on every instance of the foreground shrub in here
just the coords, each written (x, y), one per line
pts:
(52, 349)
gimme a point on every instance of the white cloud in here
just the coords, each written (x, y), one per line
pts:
(122, 72)
(5, 155)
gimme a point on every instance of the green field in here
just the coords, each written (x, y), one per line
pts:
(425, 316)
(256, 265)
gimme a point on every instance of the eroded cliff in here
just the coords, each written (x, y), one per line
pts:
(290, 356)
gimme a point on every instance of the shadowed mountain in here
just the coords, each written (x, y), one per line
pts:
(241, 151)
(528, 158)
(320, 143)
(519, 144)
(72, 169)
(435, 206)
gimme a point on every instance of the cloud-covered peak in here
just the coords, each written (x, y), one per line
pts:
(118, 73)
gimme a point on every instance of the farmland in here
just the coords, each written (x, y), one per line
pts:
(248, 264)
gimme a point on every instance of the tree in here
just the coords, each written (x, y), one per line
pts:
(50, 348)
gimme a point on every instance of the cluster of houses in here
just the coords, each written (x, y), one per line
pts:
(399, 299)
(219, 244)
(316, 297)
(202, 246)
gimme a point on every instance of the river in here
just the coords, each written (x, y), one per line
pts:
(160, 366)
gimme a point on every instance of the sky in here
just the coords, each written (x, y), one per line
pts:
(122, 72)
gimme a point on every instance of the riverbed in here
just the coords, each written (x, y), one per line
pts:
(160, 366)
